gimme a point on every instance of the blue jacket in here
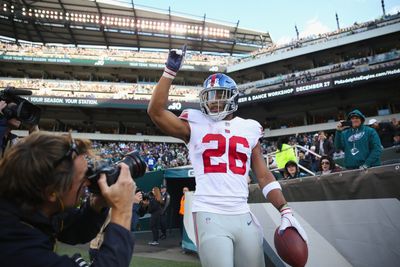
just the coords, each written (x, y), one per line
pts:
(365, 140)
(29, 240)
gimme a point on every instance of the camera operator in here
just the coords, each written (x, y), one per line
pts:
(7, 138)
(41, 180)
(14, 111)
(153, 204)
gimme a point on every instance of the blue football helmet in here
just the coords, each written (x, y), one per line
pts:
(219, 96)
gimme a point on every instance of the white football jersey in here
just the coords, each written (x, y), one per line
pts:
(220, 153)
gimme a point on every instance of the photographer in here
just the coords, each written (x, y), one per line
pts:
(41, 180)
(361, 144)
(153, 204)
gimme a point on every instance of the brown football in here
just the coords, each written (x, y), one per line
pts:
(291, 247)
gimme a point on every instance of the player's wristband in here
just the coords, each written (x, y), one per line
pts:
(168, 73)
(283, 207)
(271, 186)
(285, 210)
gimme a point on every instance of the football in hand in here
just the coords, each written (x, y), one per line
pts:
(291, 247)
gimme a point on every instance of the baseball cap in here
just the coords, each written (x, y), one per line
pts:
(372, 121)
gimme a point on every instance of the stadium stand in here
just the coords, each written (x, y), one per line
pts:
(97, 90)
(315, 39)
(331, 70)
(114, 54)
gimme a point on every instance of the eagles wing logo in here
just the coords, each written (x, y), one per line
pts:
(356, 137)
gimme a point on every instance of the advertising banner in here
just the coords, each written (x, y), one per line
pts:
(104, 103)
(107, 63)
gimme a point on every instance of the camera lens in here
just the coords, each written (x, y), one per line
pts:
(136, 166)
(135, 163)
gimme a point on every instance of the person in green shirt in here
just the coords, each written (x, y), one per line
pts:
(361, 144)
(284, 153)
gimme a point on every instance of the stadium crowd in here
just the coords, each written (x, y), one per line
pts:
(111, 54)
(158, 156)
(323, 37)
(142, 91)
(98, 90)
(332, 70)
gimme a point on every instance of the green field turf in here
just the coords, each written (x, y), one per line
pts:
(136, 261)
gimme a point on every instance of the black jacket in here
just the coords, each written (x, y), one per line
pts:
(29, 240)
(154, 207)
(329, 148)
(166, 201)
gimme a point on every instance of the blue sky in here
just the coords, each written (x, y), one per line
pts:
(279, 17)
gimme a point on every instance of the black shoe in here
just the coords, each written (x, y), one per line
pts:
(163, 236)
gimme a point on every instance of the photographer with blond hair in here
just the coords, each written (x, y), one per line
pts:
(41, 181)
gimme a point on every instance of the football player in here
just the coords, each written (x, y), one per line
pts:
(222, 149)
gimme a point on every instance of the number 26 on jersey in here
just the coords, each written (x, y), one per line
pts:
(233, 154)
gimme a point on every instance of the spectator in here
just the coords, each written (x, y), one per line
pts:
(360, 144)
(292, 170)
(151, 161)
(385, 130)
(305, 142)
(159, 165)
(314, 159)
(396, 138)
(271, 162)
(166, 199)
(395, 124)
(284, 153)
(327, 165)
(304, 160)
(39, 209)
(324, 147)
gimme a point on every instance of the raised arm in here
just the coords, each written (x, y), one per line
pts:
(165, 120)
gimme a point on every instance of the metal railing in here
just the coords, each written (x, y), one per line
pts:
(296, 149)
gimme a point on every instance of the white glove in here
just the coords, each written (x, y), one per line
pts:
(288, 220)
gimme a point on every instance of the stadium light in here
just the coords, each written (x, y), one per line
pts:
(147, 25)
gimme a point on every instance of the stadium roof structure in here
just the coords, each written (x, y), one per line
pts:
(103, 23)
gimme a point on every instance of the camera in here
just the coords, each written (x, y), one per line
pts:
(135, 163)
(346, 124)
(145, 196)
(18, 107)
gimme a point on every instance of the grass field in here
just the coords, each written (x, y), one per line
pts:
(136, 261)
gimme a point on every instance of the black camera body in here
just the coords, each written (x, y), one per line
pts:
(347, 124)
(20, 108)
(145, 196)
(135, 163)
